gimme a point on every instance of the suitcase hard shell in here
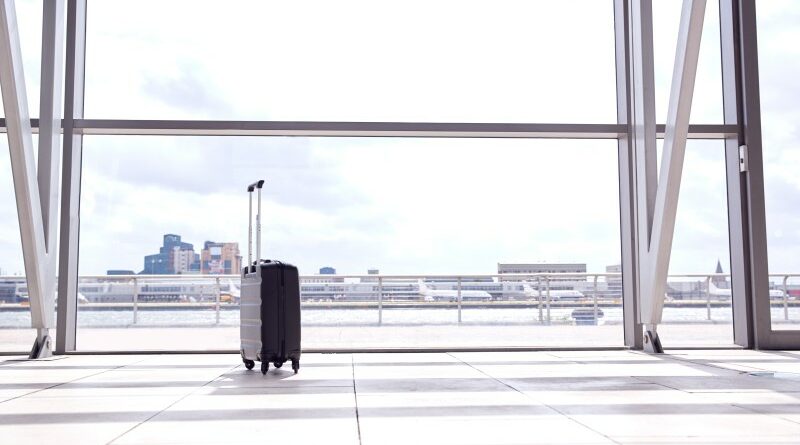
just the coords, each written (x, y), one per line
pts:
(269, 310)
(270, 315)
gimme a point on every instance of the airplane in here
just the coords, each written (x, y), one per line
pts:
(726, 293)
(429, 294)
(555, 295)
(233, 295)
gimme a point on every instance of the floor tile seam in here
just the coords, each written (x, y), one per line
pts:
(355, 397)
(183, 397)
(67, 382)
(663, 385)
(528, 396)
(700, 364)
(756, 411)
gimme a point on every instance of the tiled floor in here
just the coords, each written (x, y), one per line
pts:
(719, 397)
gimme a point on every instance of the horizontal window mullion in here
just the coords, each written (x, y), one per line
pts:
(371, 129)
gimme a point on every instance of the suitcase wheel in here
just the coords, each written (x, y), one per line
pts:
(278, 364)
(248, 364)
(295, 365)
(264, 367)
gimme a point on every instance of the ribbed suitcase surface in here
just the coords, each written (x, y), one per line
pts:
(270, 314)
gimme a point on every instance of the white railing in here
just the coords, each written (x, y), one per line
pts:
(515, 290)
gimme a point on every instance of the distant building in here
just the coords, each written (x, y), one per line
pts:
(371, 272)
(326, 275)
(8, 291)
(174, 257)
(546, 268)
(614, 283)
(120, 272)
(220, 258)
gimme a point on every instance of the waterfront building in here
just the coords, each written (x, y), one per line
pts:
(370, 279)
(120, 272)
(614, 284)
(326, 275)
(556, 282)
(174, 257)
(220, 258)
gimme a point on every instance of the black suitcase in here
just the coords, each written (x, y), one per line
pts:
(269, 305)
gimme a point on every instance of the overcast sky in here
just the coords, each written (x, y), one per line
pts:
(401, 205)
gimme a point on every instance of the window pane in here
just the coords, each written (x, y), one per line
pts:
(29, 20)
(707, 100)
(779, 70)
(410, 206)
(16, 334)
(354, 60)
(698, 307)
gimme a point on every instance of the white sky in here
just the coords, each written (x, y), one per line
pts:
(402, 205)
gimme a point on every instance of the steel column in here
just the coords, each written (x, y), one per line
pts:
(627, 177)
(643, 139)
(71, 177)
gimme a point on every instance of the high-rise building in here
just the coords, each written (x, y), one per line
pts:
(174, 257)
(220, 258)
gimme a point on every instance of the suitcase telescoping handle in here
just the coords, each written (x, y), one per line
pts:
(250, 188)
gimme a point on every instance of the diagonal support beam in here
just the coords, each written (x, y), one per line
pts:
(665, 207)
(36, 194)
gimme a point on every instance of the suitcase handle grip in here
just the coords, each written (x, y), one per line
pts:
(256, 185)
(250, 188)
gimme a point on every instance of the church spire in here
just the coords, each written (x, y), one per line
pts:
(720, 282)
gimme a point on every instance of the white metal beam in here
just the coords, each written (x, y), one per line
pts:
(37, 214)
(71, 177)
(52, 74)
(666, 203)
(643, 135)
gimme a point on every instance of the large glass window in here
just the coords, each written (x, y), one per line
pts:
(353, 60)
(779, 70)
(405, 206)
(29, 20)
(707, 101)
(16, 334)
(698, 310)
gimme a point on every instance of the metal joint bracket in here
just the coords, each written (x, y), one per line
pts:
(652, 343)
(743, 164)
(42, 346)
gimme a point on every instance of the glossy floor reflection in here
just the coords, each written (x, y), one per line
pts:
(715, 396)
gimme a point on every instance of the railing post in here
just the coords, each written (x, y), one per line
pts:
(380, 300)
(595, 298)
(219, 291)
(135, 299)
(547, 302)
(539, 290)
(459, 300)
(785, 298)
(708, 298)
